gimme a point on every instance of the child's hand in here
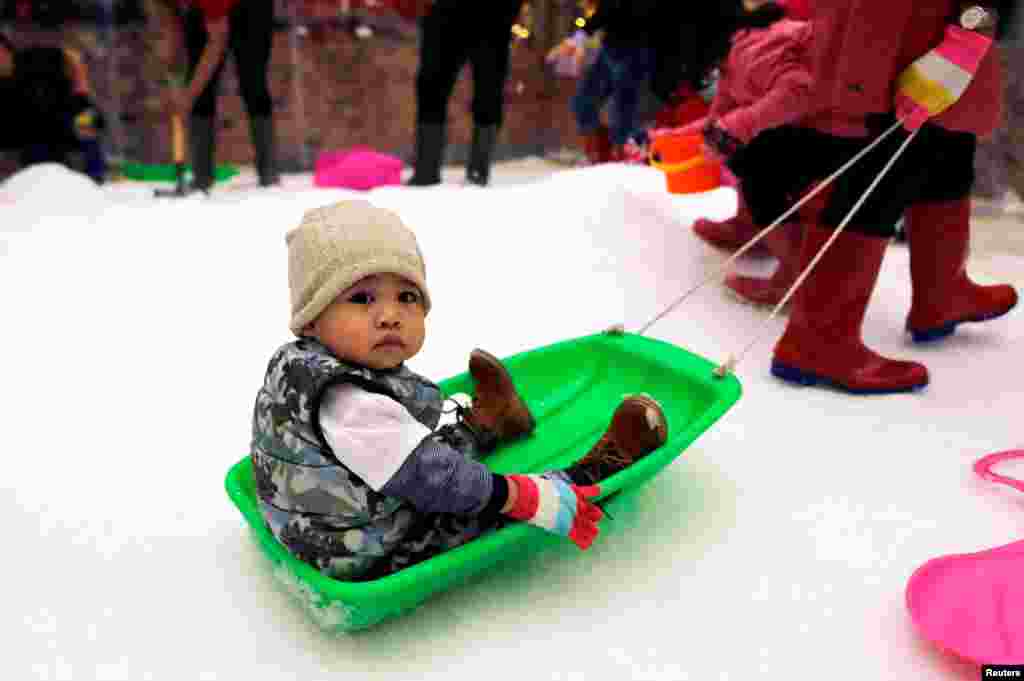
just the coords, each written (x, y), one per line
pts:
(937, 80)
(720, 141)
(175, 101)
(555, 506)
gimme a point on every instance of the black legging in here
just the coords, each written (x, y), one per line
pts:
(250, 35)
(452, 33)
(780, 164)
(937, 166)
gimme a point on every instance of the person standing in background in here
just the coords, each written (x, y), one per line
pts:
(48, 110)
(624, 66)
(925, 68)
(451, 33)
(208, 28)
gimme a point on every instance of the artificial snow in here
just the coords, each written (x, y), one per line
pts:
(136, 334)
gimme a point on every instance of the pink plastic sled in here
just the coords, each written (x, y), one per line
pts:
(972, 604)
(359, 168)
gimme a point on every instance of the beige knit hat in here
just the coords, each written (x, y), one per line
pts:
(337, 245)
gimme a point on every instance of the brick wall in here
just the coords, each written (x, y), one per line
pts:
(331, 90)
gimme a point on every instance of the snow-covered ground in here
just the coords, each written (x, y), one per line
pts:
(777, 547)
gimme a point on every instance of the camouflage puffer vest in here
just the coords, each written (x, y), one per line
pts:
(319, 509)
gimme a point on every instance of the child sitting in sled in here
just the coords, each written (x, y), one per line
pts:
(353, 475)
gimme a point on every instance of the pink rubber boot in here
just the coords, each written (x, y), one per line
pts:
(733, 233)
(783, 243)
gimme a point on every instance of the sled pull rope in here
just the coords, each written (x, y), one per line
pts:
(724, 267)
(729, 364)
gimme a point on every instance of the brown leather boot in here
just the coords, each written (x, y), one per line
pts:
(498, 413)
(638, 427)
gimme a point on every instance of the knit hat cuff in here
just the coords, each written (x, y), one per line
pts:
(322, 291)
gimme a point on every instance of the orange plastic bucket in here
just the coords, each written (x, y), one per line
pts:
(686, 169)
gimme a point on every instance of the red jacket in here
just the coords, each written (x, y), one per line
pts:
(861, 46)
(801, 10)
(213, 9)
(764, 82)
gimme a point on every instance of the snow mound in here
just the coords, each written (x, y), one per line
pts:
(50, 188)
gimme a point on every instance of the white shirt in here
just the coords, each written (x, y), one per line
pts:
(369, 433)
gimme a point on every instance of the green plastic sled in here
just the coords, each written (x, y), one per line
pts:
(164, 172)
(572, 388)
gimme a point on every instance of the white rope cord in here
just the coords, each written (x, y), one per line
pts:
(730, 364)
(724, 267)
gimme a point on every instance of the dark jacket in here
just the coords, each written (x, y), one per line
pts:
(626, 23)
(479, 16)
(42, 100)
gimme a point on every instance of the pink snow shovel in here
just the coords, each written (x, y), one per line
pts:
(972, 604)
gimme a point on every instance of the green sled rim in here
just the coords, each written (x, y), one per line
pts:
(572, 411)
(165, 172)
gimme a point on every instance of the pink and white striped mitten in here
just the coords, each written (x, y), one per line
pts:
(936, 81)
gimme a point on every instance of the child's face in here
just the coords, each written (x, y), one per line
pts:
(378, 322)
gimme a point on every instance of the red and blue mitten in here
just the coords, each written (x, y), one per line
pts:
(934, 82)
(556, 506)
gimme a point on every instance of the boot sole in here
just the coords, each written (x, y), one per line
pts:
(806, 378)
(532, 422)
(940, 332)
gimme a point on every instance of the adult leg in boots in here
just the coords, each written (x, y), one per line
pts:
(202, 128)
(251, 39)
(822, 342)
(943, 295)
(429, 155)
(450, 35)
(443, 52)
(202, 145)
(489, 59)
(250, 36)
(481, 152)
